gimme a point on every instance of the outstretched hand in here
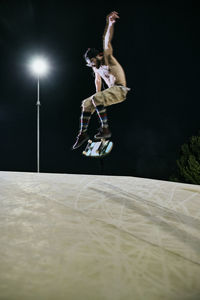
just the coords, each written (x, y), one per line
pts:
(111, 18)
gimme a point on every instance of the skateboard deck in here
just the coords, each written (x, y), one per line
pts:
(98, 148)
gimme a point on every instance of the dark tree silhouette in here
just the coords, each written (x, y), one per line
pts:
(188, 164)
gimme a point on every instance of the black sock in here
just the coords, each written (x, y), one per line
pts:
(84, 121)
(102, 114)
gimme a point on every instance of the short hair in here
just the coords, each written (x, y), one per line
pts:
(90, 53)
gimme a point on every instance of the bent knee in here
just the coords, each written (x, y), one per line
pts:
(87, 105)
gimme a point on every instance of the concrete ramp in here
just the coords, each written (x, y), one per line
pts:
(71, 237)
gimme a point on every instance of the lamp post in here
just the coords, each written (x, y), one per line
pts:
(38, 124)
(39, 67)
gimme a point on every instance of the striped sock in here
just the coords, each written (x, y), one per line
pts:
(102, 114)
(84, 121)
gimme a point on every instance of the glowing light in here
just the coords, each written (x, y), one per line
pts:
(39, 66)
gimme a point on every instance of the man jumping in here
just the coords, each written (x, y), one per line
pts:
(106, 67)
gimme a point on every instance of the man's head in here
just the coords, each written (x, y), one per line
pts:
(93, 57)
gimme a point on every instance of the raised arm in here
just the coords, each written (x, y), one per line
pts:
(108, 32)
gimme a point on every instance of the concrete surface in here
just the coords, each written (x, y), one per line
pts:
(98, 237)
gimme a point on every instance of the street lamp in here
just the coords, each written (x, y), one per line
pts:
(39, 67)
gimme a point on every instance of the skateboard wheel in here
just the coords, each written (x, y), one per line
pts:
(84, 152)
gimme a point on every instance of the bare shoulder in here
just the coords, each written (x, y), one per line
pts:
(110, 59)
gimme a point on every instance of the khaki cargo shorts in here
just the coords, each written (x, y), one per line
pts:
(110, 96)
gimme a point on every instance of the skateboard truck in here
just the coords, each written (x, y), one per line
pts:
(87, 147)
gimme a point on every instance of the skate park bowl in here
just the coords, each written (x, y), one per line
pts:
(88, 237)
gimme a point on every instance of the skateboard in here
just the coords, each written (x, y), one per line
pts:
(98, 148)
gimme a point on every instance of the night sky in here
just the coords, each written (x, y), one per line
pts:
(156, 42)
